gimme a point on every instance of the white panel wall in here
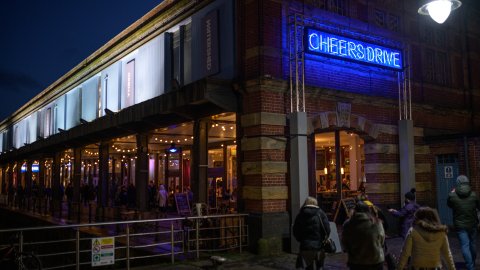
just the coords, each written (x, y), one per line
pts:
(110, 83)
(19, 134)
(123, 93)
(32, 128)
(59, 114)
(149, 70)
(2, 135)
(72, 116)
(90, 98)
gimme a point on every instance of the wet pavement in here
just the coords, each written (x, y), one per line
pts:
(284, 261)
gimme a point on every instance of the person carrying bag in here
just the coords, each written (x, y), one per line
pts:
(311, 229)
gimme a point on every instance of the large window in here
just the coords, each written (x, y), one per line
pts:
(348, 151)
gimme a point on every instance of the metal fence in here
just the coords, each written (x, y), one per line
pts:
(135, 242)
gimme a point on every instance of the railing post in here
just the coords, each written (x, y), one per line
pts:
(197, 234)
(128, 246)
(77, 249)
(240, 233)
(20, 242)
(172, 242)
(20, 246)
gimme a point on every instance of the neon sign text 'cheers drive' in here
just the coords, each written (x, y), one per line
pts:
(319, 42)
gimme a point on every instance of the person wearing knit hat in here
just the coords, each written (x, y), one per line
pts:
(406, 214)
(465, 203)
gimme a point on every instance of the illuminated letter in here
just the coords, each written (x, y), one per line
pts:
(396, 60)
(312, 40)
(342, 47)
(361, 51)
(351, 50)
(378, 56)
(370, 54)
(333, 45)
(388, 57)
(324, 44)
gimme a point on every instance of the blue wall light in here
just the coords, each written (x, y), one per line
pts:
(172, 148)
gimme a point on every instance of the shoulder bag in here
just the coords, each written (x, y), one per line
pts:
(328, 245)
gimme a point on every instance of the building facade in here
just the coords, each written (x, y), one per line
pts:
(264, 102)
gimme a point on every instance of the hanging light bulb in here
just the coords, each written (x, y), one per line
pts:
(439, 10)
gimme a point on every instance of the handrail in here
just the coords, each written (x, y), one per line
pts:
(134, 240)
(118, 222)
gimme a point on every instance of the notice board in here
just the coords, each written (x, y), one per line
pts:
(183, 205)
(343, 209)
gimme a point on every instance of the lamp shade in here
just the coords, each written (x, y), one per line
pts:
(439, 10)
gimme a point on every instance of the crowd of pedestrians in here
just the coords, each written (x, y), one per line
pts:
(425, 244)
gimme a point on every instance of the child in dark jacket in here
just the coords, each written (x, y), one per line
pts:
(407, 212)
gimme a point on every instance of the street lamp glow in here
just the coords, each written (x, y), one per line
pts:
(439, 10)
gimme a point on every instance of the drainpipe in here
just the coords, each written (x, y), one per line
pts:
(465, 148)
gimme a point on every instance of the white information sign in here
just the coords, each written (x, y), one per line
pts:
(448, 171)
(103, 251)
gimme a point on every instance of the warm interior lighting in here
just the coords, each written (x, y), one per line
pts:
(342, 171)
(325, 170)
(439, 10)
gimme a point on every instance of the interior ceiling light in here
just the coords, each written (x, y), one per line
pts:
(439, 10)
(172, 148)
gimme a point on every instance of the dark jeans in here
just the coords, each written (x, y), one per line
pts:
(467, 238)
(310, 260)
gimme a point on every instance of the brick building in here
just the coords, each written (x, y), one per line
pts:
(269, 100)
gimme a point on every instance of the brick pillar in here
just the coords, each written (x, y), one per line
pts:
(263, 157)
(264, 165)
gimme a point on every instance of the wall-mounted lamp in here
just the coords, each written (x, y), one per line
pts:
(325, 170)
(342, 170)
(439, 10)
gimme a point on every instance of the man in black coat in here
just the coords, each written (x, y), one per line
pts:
(310, 229)
(465, 203)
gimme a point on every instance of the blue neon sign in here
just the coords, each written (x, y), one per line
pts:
(319, 42)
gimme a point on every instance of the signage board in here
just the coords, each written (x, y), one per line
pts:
(103, 251)
(183, 206)
(331, 45)
(210, 43)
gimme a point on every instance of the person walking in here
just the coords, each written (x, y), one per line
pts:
(406, 213)
(162, 201)
(465, 203)
(363, 238)
(310, 229)
(426, 242)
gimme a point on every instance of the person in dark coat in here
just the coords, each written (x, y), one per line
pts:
(465, 203)
(407, 212)
(363, 239)
(310, 229)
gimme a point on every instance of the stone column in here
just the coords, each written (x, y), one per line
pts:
(56, 196)
(298, 166)
(407, 156)
(141, 172)
(77, 178)
(199, 163)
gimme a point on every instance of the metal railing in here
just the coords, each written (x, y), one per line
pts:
(150, 241)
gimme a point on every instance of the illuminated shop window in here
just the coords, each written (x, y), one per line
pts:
(352, 161)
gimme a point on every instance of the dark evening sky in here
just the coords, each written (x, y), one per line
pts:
(43, 40)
